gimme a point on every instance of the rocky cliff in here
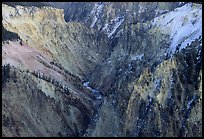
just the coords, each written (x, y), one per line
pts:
(40, 29)
(102, 69)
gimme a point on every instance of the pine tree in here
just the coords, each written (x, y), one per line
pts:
(8, 70)
(14, 76)
(21, 42)
(49, 79)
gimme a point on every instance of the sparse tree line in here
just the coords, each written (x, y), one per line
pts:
(7, 74)
(69, 76)
(60, 67)
(62, 70)
(7, 35)
(53, 81)
(73, 77)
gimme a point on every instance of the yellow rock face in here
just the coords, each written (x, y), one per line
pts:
(163, 93)
(146, 84)
(45, 29)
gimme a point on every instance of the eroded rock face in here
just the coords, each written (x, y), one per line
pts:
(108, 16)
(140, 50)
(41, 28)
(162, 102)
(41, 51)
(36, 107)
(112, 69)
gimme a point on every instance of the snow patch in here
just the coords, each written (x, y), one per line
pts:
(99, 97)
(141, 9)
(159, 11)
(137, 57)
(94, 21)
(96, 12)
(157, 84)
(190, 102)
(100, 8)
(109, 61)
(105, 26)
(119, 33)
(181, 3)
(184, 25)
(119, 21)
(20, 10)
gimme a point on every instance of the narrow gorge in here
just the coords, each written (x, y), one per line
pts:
(101, 69)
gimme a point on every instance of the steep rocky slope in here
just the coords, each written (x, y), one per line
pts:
(61, 60)
(112, 69)
(145, 45)
(41, 29)
(162, 101)
(37, 107)
(109, 16)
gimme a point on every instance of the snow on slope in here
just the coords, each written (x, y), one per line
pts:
(97, 10)
(184, 25)
(137, 57)
(118, 21)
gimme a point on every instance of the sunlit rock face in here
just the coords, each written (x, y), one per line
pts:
(59, 54)
(45, 29)
(102, 69)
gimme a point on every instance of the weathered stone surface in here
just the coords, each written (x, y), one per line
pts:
(102, 69)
